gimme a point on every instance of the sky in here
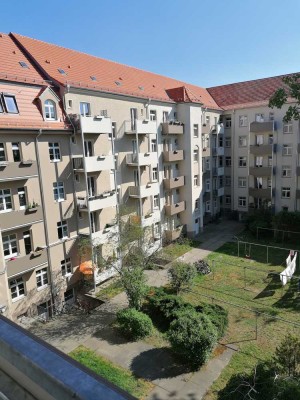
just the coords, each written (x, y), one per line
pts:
(204, 42)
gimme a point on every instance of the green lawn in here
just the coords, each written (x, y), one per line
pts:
(117, 375)
(110, 291)
(175, 250)
(250, 283)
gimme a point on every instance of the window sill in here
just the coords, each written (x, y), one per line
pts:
(17, 298)
(59, 200)
(6, 211)
(55, 161)
(40, 288)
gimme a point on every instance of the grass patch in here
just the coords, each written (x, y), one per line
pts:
(253, 284)
(110, 291)
(119, 376)
(177, 249)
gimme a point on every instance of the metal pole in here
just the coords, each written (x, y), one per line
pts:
(267, 254)
(257, 232)
(213, 269)
(256, 326)
(244, 277)
(238, 248)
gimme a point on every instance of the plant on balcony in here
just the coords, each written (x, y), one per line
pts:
(32, 206)
(149, 214)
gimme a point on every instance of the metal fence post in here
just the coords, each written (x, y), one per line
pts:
(267, 254)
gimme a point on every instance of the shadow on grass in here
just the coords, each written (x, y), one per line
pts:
(112, 335)
(291, 299)
(271, 288)
(158, 364)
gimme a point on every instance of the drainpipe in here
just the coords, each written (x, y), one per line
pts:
(44, 214)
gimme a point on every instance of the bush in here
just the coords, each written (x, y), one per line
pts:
(134, 324)
(133, 280)
(218, 316)
(193, 336)
(181, 275)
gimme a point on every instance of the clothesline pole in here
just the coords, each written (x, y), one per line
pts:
(267, 254)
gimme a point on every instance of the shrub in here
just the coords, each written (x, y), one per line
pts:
(134, 324)
(181, 275)
(218, 316)
(133, 281)
(193, 336)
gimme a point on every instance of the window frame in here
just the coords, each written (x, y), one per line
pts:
(243, 162)
(12, 238)
(62, 228)
(13, 97)
(242, 201)
(228, 161)
(288, 147)
(15, 283)
(242, 141)
(243, 121)
(50, 110)
(152, 115)
(54, 148)
(58, 189)
(85, 106)
(66, 267)
(242, 182)
(286, 168)
(289, 126)
(285, 192)
(42, 278)
(4, 202)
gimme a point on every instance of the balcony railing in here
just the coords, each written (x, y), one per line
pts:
(172, 209)
(218, 171)
(262, 149)
(16, 219)
(142, 159)
(172, 128)
(94, 163)
(260, 171)
(140, 127)
(95, 124)
(97, 202)
(264, 126)
(142, 191)
(173, 155)
(218, 151)
(173, 234)
(13, 171)
(21, 265)
(260, 193)
(173, 183)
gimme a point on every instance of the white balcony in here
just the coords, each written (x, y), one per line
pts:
(95, 163)
(98, 202)
(142, 191)
(108, 234)
(140, 127)
(107, 273)
(151, 218)
(96, 124)
(141, 159)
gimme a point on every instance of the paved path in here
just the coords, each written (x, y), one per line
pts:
(157, 365)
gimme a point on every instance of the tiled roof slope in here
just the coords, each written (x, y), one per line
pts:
(246, 94)
(80, 67)
(10, 69)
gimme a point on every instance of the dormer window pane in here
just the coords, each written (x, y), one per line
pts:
(50, 110)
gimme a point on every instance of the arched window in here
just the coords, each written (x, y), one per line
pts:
(50, 110)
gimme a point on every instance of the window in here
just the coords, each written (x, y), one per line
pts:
(258, 182)
(285, 192)
(269, 182)
(207, 185)
(103, 113)
(286, 171)
(69, 296)
(259, 139)
(61, 71)
(196, 130)
(288, 127)
(243, 120)
(62, 229)
(10, 247)
(58, 191)
(22, 198)
(242, 202)
(197, 204)
(93, 78)
(207, 206)
(196, 183)
(27, 242)
(5, 200)
(17, 288)
(54, 151)
(175, 115)
(10, 103)
(242, 182)
(227, 199)
(287, 150)
(41, 278)
(154, 174)
(152, 115)
(165, 116)
(228, 122)
(156, 201)
(242, 141)
(227, 180)
(271, 116)
(70, 103)
(259, 161)
(16, 152)
(156, 229)
(270, 139)
(2, 152)
(113, 133)
(227, 161)
(207, 164)
(196, 155)
(50, 110)
(227, 141)
(259, 117)
(85, 109)
(285, 208)
(153, 145)
(1, 107)
(77, 178)
(270, 161)
(242, 162)
(207, 120)
(66, 267)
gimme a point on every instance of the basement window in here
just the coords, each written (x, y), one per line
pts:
(23, 64)
(61, 71)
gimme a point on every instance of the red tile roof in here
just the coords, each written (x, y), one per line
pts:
(246, 94)
(110, 76)
(10, 68)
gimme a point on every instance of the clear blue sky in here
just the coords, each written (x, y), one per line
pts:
(205, 42)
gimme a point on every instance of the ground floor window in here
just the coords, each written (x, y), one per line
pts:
(69, 296)
(17, 288)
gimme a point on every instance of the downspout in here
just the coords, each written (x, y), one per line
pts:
(232, 159)
(44, 215)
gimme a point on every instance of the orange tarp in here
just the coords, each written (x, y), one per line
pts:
(86, 268)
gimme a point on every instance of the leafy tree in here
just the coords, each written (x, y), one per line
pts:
(289, 90)
(193, 336)
(133, 280)
(134, 324)
(181, 275)
(287, 356)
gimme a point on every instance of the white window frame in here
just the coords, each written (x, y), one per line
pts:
(22, 192)
(286, 171)
(287, 149)
(54, 151)
(196, 180)
(196, 130)
(207, 206)
(196, 155)
(227, 141)
(227, 122)
(260, 117)
(6, 201)
(285, 192)
(154, 174)
(66, 267)
(243, 121)
(58, 191)
(156, 201)
(242, 201)
(207, 185)
(17, 286)
(243, 162)
(153, 145)
(10, 243)
(2, 152)
(242, 182)
(242, 141)
(85, 108)
(42, 279)
(197, 204)
(287, 127)
(62, 226)
(50, 110)
(152, 115)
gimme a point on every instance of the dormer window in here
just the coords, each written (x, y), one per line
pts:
(50, 110)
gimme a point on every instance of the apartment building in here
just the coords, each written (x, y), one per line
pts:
(86, 140)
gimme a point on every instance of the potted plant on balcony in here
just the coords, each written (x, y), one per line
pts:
(32, 207)
(149, 214)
